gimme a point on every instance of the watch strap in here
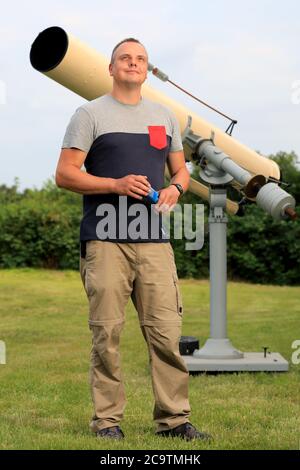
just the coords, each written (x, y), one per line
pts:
(178, 186)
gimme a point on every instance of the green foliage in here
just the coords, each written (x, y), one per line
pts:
(40, 228)
(262, 250)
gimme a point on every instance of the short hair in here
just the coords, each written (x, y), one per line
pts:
(121, 42)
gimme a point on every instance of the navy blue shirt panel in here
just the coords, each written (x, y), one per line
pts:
(115, 155)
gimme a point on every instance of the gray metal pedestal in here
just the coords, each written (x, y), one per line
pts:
(252, 362)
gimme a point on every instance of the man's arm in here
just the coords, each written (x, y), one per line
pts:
(178, 170)
(168, 197)
(70, 176)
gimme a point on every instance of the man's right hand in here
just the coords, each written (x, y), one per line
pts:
(136, 186)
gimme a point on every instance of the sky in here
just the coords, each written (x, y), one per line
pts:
(241, 56)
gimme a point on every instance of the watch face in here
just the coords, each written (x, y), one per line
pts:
(179, 187)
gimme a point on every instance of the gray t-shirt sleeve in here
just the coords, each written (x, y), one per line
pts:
(176, 142)
(80, 131)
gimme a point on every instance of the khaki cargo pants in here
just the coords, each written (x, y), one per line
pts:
(111, 273)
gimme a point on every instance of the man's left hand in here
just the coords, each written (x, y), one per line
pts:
(168, 198)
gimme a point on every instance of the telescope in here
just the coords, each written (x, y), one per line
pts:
(223, 161)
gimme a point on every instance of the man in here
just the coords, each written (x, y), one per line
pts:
(124, 141)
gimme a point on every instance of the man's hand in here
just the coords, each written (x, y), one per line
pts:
(168, 198)
(136, 186)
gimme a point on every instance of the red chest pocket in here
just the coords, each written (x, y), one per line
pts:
(158, 136)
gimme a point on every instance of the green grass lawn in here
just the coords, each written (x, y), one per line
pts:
(44, 392)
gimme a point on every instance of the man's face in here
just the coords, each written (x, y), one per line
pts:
(130, 64)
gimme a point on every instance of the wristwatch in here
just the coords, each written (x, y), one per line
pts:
(179, 187)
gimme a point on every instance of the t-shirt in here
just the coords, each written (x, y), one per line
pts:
(122, 139)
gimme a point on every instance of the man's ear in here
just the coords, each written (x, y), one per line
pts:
(110, 69)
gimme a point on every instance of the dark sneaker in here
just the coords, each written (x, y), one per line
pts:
(186, 431)
(113, 433)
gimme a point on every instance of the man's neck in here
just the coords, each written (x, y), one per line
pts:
(127, 95)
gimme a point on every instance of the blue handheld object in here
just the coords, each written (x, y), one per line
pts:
(153, 196)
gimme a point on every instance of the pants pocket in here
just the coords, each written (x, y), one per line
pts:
(88, 267)
(178, 295)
